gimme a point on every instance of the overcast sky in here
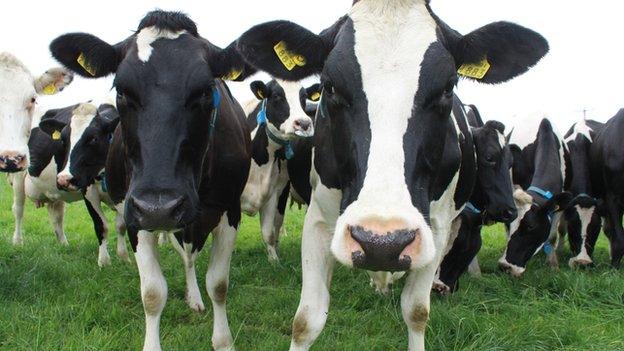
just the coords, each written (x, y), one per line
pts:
(582, 70)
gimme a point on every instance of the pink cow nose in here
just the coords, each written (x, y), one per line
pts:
(64, 180)
(303, 125)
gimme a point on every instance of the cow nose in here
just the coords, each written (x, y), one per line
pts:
(157, 215)
(508, 215)
(12, 162)
(63, 180)
(382, 252)
(303, 127)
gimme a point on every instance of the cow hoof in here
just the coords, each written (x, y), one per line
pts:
(272, 253)
(224, 345)
(123, 255)
(441, 288)
(575, 263)
(104, 261)
(194, 301)
(383, 290)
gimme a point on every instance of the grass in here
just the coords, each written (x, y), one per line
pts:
(56, 298)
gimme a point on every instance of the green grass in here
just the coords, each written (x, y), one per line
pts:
(56, 298)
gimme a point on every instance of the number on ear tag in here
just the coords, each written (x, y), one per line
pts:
(289, 60)
(82, 61)
(56, 135)
(475, 70)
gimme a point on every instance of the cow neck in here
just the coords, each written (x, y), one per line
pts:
(274, 140)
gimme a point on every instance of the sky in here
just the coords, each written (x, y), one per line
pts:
(582, 71)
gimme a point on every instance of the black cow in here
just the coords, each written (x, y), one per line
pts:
(538, 172)
(581, 219)
(387, 157)
(606, 170)
(185, 150)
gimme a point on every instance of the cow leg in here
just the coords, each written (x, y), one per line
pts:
(281, 210)
(19, 198)
(459, 258)
(415, 300)
(268, 214)
(616, 237)
(120, 227)
(56, 212)
(100, 226)
(162, 239)
(217, 281)
(554, 238)
(193, 296)
(317, 266)
(474, 269)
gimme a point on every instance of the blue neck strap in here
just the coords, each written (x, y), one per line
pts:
(103, 183)
(216, 102)
(545, 194)
(261, 118)
(472, 208)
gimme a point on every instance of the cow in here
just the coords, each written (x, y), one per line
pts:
(387, 156)
(606, 169)
(66, 138)
(581, 219)
(19, 91)
(185, 151)
(491, 200)
(276, 118)
(538, 174)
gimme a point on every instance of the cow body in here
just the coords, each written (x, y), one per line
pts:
(581, 219)
(606, 167)
(387, 155)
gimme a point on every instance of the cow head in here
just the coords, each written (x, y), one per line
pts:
(494, 191)
(583, 223)
(86, 138)
(168, 97)
(282, 101)
(18, 96)
(388, 70)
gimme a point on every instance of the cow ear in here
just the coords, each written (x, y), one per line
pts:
(52, 127)
(284, 50)
(228, 64)
(313, 92)
(558, 203)
(86, 54)
(498, 52)
(508, 137)
(53, 81)
(109, 118)
(259, 89)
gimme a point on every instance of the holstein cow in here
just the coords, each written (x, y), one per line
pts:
(66, 139)
(538, 173)
(581, 218)
(607, 166)
(275, 121)
(491, 200)
(186, 146)
(387, 157)
(19, 91)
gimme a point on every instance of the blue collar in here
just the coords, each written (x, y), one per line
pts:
(103, 183)
(545, 194)
(472, 208)
(261, 118)
(216, 102)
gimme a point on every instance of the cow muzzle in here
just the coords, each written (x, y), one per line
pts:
(303, 127)
(377, 250)
(512, 269)
(12, 162)
(160, 213)
(63, 181)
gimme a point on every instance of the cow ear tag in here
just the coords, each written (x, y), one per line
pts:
(289, 59)
(82, 61)
(316, 96)
(56, 135)
(49, 89)
(233, 74)
(475, 70)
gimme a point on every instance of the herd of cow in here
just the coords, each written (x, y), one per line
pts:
(398, 175)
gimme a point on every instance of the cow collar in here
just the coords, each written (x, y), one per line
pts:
(472, 208)
(261, 118)
(103, 183)
(216, 102)
(547, 247)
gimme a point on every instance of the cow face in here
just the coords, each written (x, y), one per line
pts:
(388, 70)
(494, 189)
(18, 97)
(86, 140)
(530, 230)
(583, 223)
(168, 100)
(285, 116)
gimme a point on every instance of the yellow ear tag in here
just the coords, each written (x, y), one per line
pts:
(49, 89)
(56, 135)
(475, 70)
(82, 61)
(316, 96)
(260, 95)
(233, 75)
(289, 60)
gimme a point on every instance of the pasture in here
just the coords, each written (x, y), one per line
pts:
(56, 298)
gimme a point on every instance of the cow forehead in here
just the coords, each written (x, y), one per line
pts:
(82, 116)
(147, 36)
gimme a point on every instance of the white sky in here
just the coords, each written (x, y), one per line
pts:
(582, 70)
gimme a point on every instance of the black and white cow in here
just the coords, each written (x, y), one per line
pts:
(387, 157)
(491, 200)
(65, 138)
(185, 150)
(276, 120)
(581, 218)
(19, 91)
(606, 170)
(538, 174)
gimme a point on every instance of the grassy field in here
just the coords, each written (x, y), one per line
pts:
(56, 298)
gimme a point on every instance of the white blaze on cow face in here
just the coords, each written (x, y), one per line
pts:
(298, 124)
(81, 118)
(523, 204)
(148, 35)
(585, 216)
(389, 51)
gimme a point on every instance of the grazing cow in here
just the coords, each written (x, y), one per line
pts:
(388, 156)
(19, 90)
(607, 167)
(275, 121)
(491, 200)
(186, 151)
(69, 142)
(538, 172)
(581, 218)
